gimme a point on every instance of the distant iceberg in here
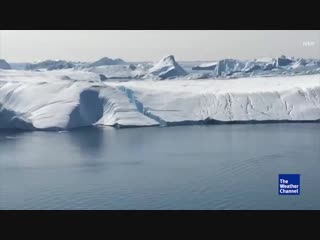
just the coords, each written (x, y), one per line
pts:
(232, 68)
(283, 61)
(50, 65)
(166, 68)
(228, 67)
(119, 71)
(107, 61)
(4, 64)
(206, 66)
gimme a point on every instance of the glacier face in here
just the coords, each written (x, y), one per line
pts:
(46, 101)
(64, 99)
(249, 99)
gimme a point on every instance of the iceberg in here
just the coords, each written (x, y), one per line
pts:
(206, 66)
(231, 68)
(67, 99)
(18, 66)
(4, 64)
(252, 66)
(45, 101)
(119, 71)
(107, 61)
(283, 61)
(228, 67)
(294, 98)
(167, 68)
(50, 65)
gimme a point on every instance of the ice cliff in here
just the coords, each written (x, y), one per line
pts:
(65, 99)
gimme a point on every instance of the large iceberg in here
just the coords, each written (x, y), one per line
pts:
(173, 102)
(65, 99)
(48, 102)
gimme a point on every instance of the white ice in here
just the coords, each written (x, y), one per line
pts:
(64, 99)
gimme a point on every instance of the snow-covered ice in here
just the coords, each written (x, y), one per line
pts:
(294, 98)
(166, 68)
(64, 99)
(43, 100)
(232, 68)
(169, 68)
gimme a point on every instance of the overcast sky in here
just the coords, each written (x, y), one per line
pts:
(147, 45)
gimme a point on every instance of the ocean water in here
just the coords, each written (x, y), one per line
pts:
(184, 167)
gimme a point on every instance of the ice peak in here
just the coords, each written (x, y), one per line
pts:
(169, 58)
(167, 67)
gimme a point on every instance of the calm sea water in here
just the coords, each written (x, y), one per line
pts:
(185, 167)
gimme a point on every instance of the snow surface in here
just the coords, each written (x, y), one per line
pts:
(64, 99)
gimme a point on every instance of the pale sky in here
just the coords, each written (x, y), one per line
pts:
(151, 45)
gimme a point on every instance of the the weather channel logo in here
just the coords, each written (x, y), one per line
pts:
(289, 184)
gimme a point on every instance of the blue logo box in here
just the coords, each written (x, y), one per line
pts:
(289, 184)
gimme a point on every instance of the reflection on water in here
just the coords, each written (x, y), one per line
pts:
(185, 167)
(87, 143)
